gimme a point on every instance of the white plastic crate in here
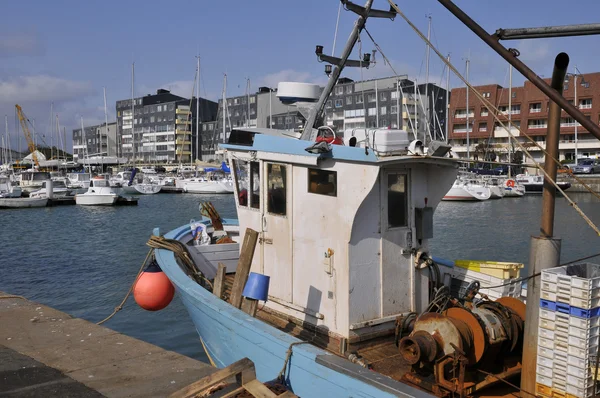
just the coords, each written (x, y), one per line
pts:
(580, 362)
(544, 371)
(584, 323)
(583, 343)
(581, 276)
(582, 352)
(541, 379)
(585, 293)
(583, 333)
(545, 352)
(583, 303)
(544, 342)
(580, 392)
(560, 364)
(546, 333)
(545, 362)
(547, 314)
(549, 286)
(582, 373)
(547, 324)
(547, 295)
(580, 382)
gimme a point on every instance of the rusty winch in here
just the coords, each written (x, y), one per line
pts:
(452, 351)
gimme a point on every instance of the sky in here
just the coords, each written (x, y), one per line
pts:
(65, 52)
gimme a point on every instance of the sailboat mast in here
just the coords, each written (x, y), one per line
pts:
(198, 109)
(106, 128)
(132, 110)
(467, 88)
(51, 131)
(7, 138)
(60, 140)
(427, 113)
(510, 68)
(447, 98)
(224, 104)
(87, 152)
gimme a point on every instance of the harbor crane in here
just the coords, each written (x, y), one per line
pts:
(30, 144)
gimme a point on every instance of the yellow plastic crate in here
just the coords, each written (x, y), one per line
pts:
(493, 268)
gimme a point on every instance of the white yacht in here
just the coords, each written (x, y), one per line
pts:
(513, 188)
(99, 193)
(208, 185)
(32, 180)
(129, 185)
(535, 184)
(59, 190)
(8, 190)
(496, 187)
(465, 189)
(78, 181)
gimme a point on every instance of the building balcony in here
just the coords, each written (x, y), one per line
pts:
(182, 111)
(183, 142)
(182, 121)
(182, 152)
(182, 131)
(408, 115)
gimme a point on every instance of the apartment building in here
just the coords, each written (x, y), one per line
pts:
(528, 114)
(99, 140)
(161, 127)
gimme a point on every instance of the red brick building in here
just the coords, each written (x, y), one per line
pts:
(529, 111)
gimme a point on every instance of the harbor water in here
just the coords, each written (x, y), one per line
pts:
(82, 260)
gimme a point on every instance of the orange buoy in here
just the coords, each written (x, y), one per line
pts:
(153, 291)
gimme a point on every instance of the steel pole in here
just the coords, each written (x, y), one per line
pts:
(467, 90)
(510, 57)
(577, 105)
(548, 31)
(558, 77)
(545, 250)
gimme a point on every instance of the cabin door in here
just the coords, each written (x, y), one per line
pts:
(396, 268)
(277, 229)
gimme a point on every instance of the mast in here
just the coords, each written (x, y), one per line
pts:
(51, 131)
(60, 140)
(447, 98)
(132, 111)
(509, 116)
(106, 126)
(427, 113)
(467, 88)
(318, 109)
(198, 108)
(87, 152)
(7, 138)
(224, 93)
(248, 101)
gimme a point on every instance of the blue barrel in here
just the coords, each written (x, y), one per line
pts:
(257, 287)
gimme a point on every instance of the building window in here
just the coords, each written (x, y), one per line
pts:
(349, 100)
(397, 198)
(515, 109)
(461, 128)
(322, 182)
(339, 90)
(288, 120)
(151, 119)
(486, 95)
(171, 118)
(276, 183)
(568, 122)
(395, 94)
(349, 89)
(585, 103)
(252, 100)
(383, 110)
(383, 123)
(372, 111)
(339, 103)
(536, 107)
(383, 96)
(394, 109)
(236, 101)
(359, 99)
(252, 111)
(514, 94)
(328, 104)
(482, 126)
(537, 124)
(171, 107)
(460, 114)
(484, 112)
(244, 101)
(371, 98)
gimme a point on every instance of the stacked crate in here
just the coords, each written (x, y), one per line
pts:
(488, 274)
(568, 331)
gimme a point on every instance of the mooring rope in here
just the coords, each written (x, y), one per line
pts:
(287, 359)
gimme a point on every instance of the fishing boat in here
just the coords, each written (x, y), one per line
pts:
(21, 203)
(535, 184)
(468, 189)
(30, 181)
(99, 193)
(8, 190)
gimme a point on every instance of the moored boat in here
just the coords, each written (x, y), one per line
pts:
(8, 190)
(99, 193)
(535, 184)
(19, 203)
(465, 189)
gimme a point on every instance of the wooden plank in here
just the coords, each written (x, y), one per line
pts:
(215, 378)
(243, 268)
(249, 306)
(224, 255)
(218, 285)
(219, 248)
(228, 392)
(287, 394)
(258, 389)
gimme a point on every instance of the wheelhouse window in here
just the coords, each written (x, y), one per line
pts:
(322, 182)
(397, 205)
(247, 179)
(276, 183)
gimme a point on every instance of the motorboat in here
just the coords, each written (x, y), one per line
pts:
(59, 190)
(208, 185)
(468, 189)
(8, 190)
(30, 181)
(21, 203)
(99, 193)
(131, 184)
(496, 187)
(513, 188)
(534, 184)
(79, 182)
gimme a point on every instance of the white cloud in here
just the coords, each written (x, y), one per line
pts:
(20, 43)
(42, 88)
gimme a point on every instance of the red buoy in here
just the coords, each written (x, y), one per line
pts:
(153, 291)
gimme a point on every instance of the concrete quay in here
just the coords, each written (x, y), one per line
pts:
(46, 352)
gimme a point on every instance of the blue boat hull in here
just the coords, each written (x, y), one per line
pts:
(229, 334)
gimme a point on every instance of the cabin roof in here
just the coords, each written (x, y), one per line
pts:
(297, 148)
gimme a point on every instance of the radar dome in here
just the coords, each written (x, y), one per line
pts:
(291, 92)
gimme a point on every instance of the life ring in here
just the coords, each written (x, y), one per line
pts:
(510, 183)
